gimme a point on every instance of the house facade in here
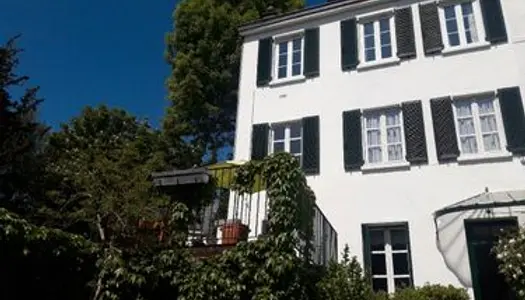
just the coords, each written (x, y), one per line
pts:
(397, 111)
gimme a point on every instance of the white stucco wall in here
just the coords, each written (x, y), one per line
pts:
(349, 199)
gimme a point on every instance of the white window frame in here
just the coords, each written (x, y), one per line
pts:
(384, 142)
(287, 138)
(375, 18)
(474, 99)
(478, 18)
(288, 38)
(389, 252)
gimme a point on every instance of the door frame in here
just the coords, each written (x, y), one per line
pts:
(472, 261)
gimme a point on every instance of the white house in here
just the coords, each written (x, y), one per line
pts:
(398, 111)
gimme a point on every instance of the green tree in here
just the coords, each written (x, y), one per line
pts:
(100, 165)
(204, 52)
(21, 135)
(345, 280)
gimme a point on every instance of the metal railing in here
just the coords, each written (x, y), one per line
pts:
(231, 217)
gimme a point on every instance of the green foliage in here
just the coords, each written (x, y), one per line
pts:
(21, 136)
(100, 165)
(204, 52)
(432, 292)
(34, 258)
(345, 280)
(510, 251)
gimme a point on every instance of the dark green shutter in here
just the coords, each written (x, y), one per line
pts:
(353, 145)
(260, 144)
(495, 29)
(414, 125)
(430, 28)
(264, 62)
(406, 44)
(444, 129)
(349, 58)
(311, 145)
(311, 52)
(513, 118)
(367, 255)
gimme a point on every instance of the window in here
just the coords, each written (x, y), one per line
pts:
(287, 137)
(478, 125)
(377, 39)
(387, 256)
(383, 136)
(289, 62)
(460, 26)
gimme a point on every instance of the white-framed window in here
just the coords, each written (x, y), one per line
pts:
(287, 137)
(461, 23)
(388, 256)
(377, 38)
(479, 126)
(383, 136)
(289, 53)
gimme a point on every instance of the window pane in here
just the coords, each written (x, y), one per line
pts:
(296, 69)
(370, 55)
(295, 130)
(466, 126)
(399, 239)
(377, 240)
(296, 58)
(393, 118)
(463, 109)
(369, 28)
(375, 155)
(486, 106)
(469, 22)
(372, 121)
(395, 152)
(373, 137)
(295, 146)
(278, 132)
(400, 263)
(386, 51)
(491, 142)
(393, 135)
(379, 285)
(297, 44)
(278, 147)
(451, 25)
(384, 25)
(402, 283)
(378, 264)
(283, 47)
(469, 145)
(282, 72)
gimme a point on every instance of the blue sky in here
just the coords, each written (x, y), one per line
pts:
(90, 52)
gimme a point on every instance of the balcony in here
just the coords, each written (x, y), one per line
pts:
(229, 217)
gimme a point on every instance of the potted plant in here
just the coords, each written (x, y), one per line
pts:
(233, 231)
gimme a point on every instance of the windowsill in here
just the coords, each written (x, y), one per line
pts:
(385, 166)
(378, 63)
(484, 157)
(467, 48)
(288, 80)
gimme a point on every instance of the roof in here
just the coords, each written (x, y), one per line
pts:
(329, 6)
(486, 200)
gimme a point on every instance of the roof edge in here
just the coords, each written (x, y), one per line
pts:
(301, 15)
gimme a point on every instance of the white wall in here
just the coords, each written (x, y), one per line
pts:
(349, 199)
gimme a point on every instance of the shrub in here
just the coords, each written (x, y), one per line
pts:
(345, 280)
(433, 292)
(510, 251)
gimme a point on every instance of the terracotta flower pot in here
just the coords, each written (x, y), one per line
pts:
(234, 232)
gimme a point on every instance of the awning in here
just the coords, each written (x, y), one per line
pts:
(450, 231)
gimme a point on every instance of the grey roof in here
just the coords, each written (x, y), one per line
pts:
(486, 200)
(298, 13)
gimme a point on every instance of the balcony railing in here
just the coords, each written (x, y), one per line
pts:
(230, 217)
